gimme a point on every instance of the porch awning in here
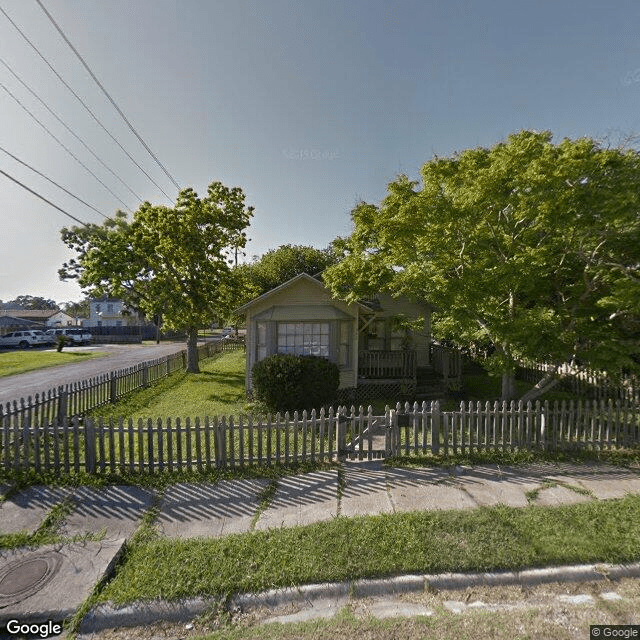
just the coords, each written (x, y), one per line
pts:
(300, 313)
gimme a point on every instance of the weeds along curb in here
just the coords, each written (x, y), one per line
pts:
(105, 616)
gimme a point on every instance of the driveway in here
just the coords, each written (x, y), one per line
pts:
(120, 356)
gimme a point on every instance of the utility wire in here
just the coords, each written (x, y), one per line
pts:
(71, 131)
(55, 206)
(111, 100)
(66, 148)
(82, 102)
(54, 183)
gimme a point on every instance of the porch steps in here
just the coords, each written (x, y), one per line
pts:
(430, 385)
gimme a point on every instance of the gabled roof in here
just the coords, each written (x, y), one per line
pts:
(30, 313)
(302, 276)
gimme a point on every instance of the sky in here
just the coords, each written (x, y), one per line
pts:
(309, 106)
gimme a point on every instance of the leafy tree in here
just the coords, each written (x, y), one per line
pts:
(172, 262)
(78, 309)
(277, 266)
(531, 247)
(32, 303)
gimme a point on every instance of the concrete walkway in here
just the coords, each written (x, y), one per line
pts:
(94, 523)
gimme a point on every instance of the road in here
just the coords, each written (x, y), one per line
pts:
(119, 357)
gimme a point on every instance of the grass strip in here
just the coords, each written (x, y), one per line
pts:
(15, 362)
(484, 539)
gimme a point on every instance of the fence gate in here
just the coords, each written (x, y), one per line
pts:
(363, 436)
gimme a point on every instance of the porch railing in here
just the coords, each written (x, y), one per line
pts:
(387, 364)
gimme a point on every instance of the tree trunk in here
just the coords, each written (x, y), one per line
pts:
(549, 381)
(508, 385)
(192, 351)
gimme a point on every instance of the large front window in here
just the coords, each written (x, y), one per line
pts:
(304, 338)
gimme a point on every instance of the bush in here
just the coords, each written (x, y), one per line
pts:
(285, 382)
(61, 342)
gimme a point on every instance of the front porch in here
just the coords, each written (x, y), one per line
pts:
(387, 365)
(397, 374)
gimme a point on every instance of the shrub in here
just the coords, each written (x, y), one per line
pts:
(61, 342)
(286, 382)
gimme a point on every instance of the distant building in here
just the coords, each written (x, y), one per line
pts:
(47, 317)
(111, 312)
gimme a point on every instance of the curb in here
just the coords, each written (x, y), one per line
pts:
(144, 613)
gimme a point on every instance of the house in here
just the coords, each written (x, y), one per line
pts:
(110, 312)
(47, 317)
(376, 354)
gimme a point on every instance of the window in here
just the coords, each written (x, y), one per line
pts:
(261, 343)
(304, 338)
(109, 308)
(98, 308)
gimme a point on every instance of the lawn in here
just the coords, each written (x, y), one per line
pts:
(217, 390)
(13, 362)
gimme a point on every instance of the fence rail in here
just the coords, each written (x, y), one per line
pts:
(387, 364)
(592, 384)
(78, 398)
(71, 445)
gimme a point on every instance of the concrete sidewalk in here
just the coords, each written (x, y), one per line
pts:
(33, 582)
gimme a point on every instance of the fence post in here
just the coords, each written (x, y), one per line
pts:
(113, 387)
(89, 445)
(145, 375)
(62, 403)
(341, 429)
(435, 428)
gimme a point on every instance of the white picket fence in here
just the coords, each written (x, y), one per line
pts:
(69, 446)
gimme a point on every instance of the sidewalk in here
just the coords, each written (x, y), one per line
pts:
(52, 582)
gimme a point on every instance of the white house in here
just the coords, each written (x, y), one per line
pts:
(110, 312)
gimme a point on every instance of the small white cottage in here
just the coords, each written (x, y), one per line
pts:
(367, 339)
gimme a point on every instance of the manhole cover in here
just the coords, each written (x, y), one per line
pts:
(25, 576)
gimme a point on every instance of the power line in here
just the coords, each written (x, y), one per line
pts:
(65, 148)
(55, 206)
(82, 102)
(111, 100)
(71, 131)
(53, 182)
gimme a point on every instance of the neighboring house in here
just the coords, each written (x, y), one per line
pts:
(375, 356)
(11, 323)
(110, 312)
(47, 317)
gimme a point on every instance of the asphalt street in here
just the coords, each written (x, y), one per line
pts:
(119, 356)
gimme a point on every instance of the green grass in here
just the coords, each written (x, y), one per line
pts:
(485, 539)
(217, 390)
(14, 362)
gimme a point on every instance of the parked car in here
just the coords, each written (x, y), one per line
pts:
(74, 336)
(24, 339)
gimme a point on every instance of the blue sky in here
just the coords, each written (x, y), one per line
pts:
(308, 105)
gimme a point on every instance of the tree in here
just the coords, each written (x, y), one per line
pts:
(77, 309)
(277, 266)
(530, 246)
(31, 303)
(172, 262)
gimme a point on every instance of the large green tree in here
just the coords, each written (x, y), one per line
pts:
(531, 246)
(279, 265)
(168, 261)
(32, 302)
